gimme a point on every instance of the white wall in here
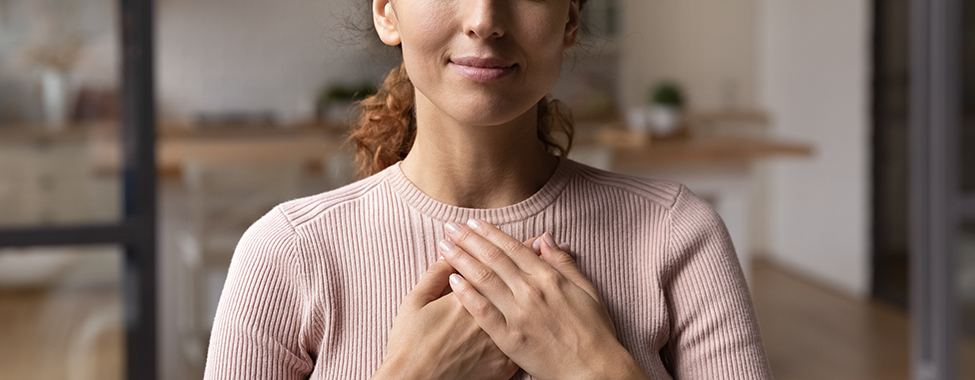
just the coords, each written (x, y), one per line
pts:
(256, 55)
(814, 65)
(708, 46)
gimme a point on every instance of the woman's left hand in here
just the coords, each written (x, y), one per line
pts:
(541, 311)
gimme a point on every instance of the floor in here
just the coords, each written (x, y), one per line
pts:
(813, 332)
(810, 332)
(61, 334)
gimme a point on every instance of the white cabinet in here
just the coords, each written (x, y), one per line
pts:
(52, 181)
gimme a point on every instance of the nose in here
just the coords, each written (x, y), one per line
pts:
(484, 18)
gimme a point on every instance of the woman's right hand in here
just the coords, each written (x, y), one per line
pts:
(434, 337)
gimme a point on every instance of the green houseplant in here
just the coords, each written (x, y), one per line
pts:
(667, 103)
(335, 102)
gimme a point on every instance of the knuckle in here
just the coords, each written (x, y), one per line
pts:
(480, 307)
(550, 277)
(534, 294)
(482, 275)
(510, 246)
(517, 340)
(492, 255)
(462, 236)
(564, 259)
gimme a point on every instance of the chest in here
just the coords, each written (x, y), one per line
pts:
(365, 283)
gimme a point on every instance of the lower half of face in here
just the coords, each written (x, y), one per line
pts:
(476, 80)
(481, 97)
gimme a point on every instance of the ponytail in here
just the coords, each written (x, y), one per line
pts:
(386, 127)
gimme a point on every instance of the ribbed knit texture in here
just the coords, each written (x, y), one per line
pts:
(315, 284)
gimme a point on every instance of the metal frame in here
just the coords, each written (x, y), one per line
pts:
(935, 191)
(137, 230)
(967, 205)
(877, 153)
(884, 257)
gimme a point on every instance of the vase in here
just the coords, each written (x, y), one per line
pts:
(637, 120)
(54, 97)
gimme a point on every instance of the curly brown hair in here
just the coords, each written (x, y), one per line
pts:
(386, 128)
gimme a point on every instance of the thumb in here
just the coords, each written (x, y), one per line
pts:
(431, 285)
(566, 265)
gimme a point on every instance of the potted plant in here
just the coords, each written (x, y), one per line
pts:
(667, 103)
(335, 102)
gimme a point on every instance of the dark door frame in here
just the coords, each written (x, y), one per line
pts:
(136, 232)
(937, 203)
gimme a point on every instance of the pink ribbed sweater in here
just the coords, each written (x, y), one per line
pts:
(315, 284)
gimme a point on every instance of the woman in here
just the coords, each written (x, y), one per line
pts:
(447, 264)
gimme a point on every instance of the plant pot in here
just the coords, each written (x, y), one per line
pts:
(664, 119)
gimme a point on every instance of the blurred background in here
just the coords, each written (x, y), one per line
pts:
(790, 116)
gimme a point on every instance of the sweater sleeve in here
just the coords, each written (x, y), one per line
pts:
(260, 319)
(714, 332)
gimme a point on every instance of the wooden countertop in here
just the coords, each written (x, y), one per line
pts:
(703, 151)
(312, 144)
(632, 150)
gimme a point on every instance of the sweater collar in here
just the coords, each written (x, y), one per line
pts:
(497, 216)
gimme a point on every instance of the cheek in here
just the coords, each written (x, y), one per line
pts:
(426, 25)
(547, 44)
(425, 30)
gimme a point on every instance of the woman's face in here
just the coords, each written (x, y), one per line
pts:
(479, 62)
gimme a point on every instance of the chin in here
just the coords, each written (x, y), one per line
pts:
(484, 117)
(492, 111)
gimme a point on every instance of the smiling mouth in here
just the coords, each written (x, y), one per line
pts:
(483, 70)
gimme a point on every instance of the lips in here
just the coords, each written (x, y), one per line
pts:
(483, 69)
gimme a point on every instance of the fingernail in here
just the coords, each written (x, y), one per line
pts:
(445, 246)
(549, 240)
(564, 247)
(537, 244)
(473, 223)
(452, 227)
(454, 278)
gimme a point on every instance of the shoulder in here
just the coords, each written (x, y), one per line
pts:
(280, 229)
(303, 210)
(661, 193)
(686, 212)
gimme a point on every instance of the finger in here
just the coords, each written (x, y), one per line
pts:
(566, 265)
(486, 315)
(431, 285)
(486, 235)
(533, 244)
(482, 277)
(537, 245)
(488, 253)
(447, 290)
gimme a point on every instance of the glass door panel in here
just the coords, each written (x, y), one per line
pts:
(59, 113)
(965, 260)
(967, 132)
(61, 313)
(965, 278)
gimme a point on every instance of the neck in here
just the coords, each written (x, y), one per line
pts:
(478, 166)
